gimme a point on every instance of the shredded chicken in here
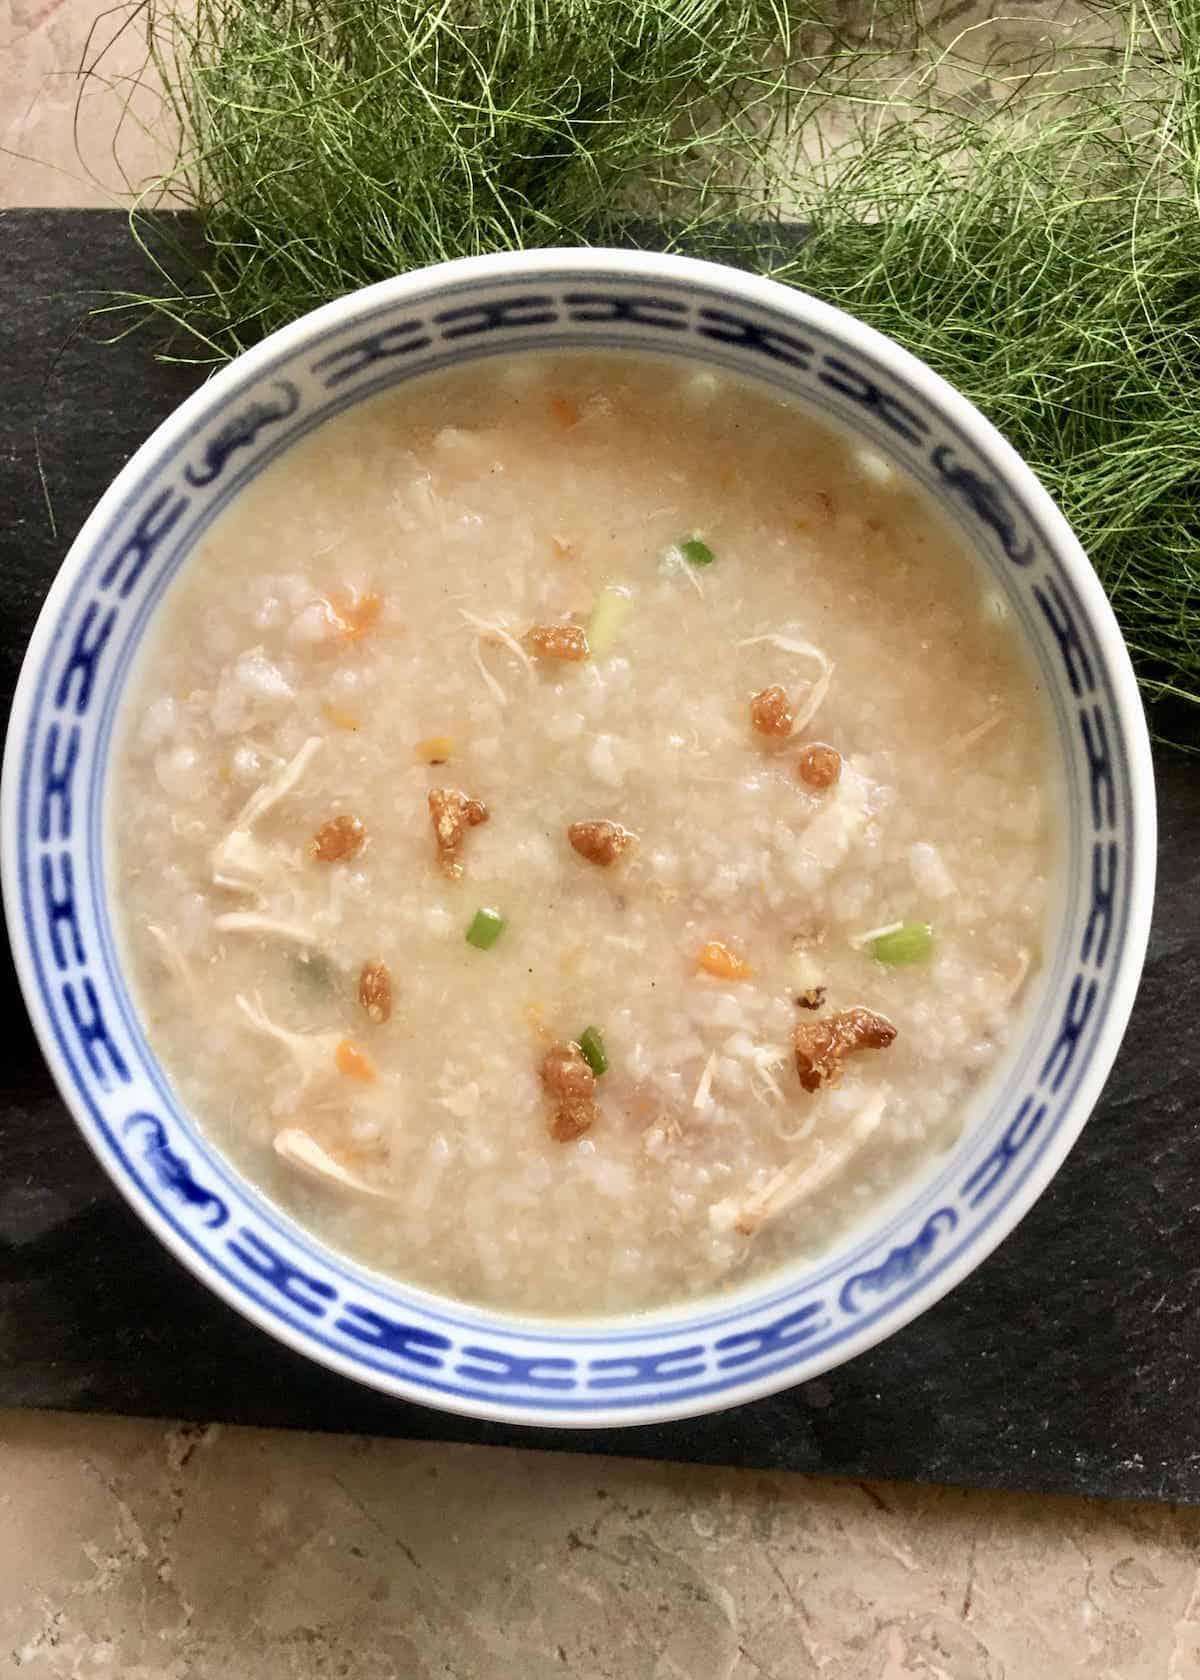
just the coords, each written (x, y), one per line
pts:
(600, 841)
(253, 921)
(491, 630)
(302, 1151)
(822, 1046)
(764, 1060)
(963, 743)
(1022, 966)
(173, 958)
(242, 863)
(801, 1178)
(703, 1096)
(453, 814)
(314, 1054)
(266, 798)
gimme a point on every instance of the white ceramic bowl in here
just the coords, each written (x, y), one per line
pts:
(713, 1352)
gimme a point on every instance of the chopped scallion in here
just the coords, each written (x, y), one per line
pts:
(612, 607)
(591, 1048)
(486, 927)
(910, 942)
(696, 552)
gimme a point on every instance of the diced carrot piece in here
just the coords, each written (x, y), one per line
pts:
(353, 615)
(722, 963)
(351, 1061)
(338, 718)
(564, 411)
(435, 749)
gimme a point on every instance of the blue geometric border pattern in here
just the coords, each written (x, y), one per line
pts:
(400, 1338)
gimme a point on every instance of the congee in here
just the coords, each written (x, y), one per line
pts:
(582, 829)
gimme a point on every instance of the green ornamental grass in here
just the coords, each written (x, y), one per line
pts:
(1041, 249)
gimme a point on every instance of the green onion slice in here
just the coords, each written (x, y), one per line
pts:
(486, 927)
(909, 943)
(696, 552)
(612, 607)
(591, 1048)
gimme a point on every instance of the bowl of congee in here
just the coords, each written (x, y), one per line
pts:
(578, 836)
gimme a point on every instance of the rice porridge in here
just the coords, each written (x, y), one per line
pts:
(581, 830)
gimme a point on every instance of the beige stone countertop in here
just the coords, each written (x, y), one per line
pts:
(148, 1551)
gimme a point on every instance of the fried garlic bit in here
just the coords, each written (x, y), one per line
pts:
(571, 1086)
(600, 842)
(822, 1046)
(375, 991)
(453, 814)
(818, 765)
(557, 641)
(771, 711)
(338, 840)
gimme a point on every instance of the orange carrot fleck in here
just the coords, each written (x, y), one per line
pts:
(435, 749)
(351, 1061)
(564, 411)
(338, 718)
(562, 548)
(723, 964)
(353, 615)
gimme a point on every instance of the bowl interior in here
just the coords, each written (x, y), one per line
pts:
(716, 1351)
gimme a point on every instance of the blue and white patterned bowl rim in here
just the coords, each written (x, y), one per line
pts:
(721, 1350)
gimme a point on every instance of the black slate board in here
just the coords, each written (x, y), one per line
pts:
(1067, 1362)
